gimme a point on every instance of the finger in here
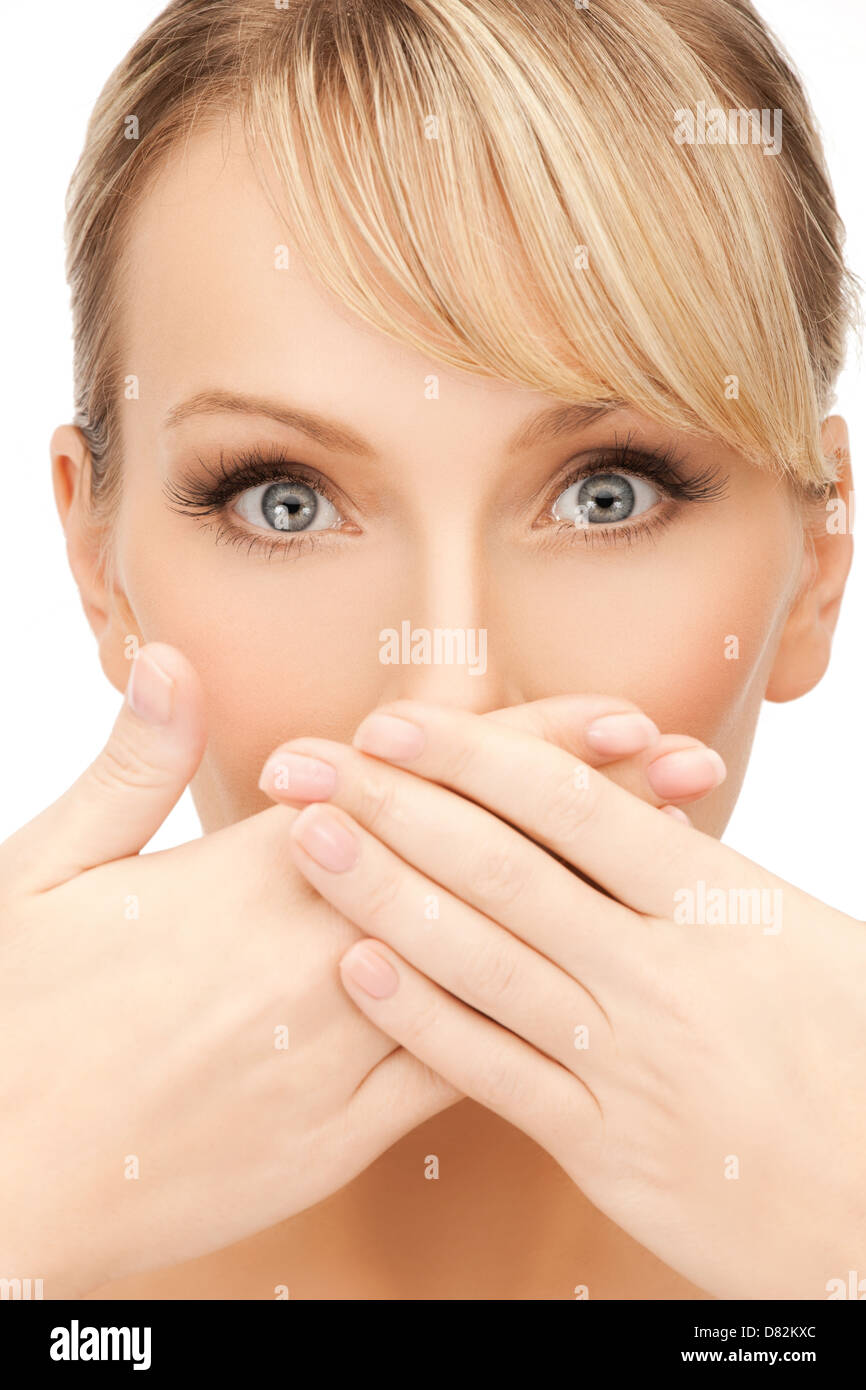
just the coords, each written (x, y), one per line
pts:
(486, 1062)
(475, 855)
(603, 732)
(472, 957)
(599, 729)
(119, 801)
(615, 734)
(638, 856)
(396, 1096)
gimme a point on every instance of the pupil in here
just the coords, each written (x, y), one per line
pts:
(607, 497)
(289, 506)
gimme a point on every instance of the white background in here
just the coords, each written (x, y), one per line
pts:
(801, 809)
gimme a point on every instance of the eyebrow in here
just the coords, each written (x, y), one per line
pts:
(331, 434)
(557, 420)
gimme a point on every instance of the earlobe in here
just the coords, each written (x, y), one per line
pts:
(102, 604)
(804, 651)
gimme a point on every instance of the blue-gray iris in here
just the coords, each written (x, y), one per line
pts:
(606, 497)
(290, 506)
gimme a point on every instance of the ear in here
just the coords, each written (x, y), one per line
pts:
(104, 602)
(804, 651)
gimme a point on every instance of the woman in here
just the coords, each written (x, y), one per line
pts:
(441, 303)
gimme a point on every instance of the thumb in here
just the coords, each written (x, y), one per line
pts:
(122, 798)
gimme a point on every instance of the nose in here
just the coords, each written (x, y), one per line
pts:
(438, 646)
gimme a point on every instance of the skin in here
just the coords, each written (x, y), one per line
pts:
(207, 1039)
(446, 528)
(646, 1043)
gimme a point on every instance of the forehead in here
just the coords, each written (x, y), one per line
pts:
(211, 303)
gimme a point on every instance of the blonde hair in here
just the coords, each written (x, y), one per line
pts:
(444, 162)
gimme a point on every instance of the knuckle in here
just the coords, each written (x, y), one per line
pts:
(420, 1024)
(376, 801)
(121, 763)
(461, 757)
(500, 1083)
(568, 807)
(381, 895)
(496, 877)
(489, 972)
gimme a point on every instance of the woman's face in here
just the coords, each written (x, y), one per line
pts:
(435, 514)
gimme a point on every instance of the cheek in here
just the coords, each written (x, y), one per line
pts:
(685, 629)
(283, 647)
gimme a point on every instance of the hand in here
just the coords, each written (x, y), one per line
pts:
(150, 1112)
(701, 1080)
(666, 770)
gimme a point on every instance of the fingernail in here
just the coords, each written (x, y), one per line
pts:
(675, 814)
(622, 733)
(686, 773)
(370, 971)
(150, 690)
(298, 777)
(386, 736)
(326, 839)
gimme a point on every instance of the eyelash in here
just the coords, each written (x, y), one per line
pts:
(208, 494)
(664, 467)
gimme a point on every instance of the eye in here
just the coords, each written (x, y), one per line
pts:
(286, 506)
(605, 498)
